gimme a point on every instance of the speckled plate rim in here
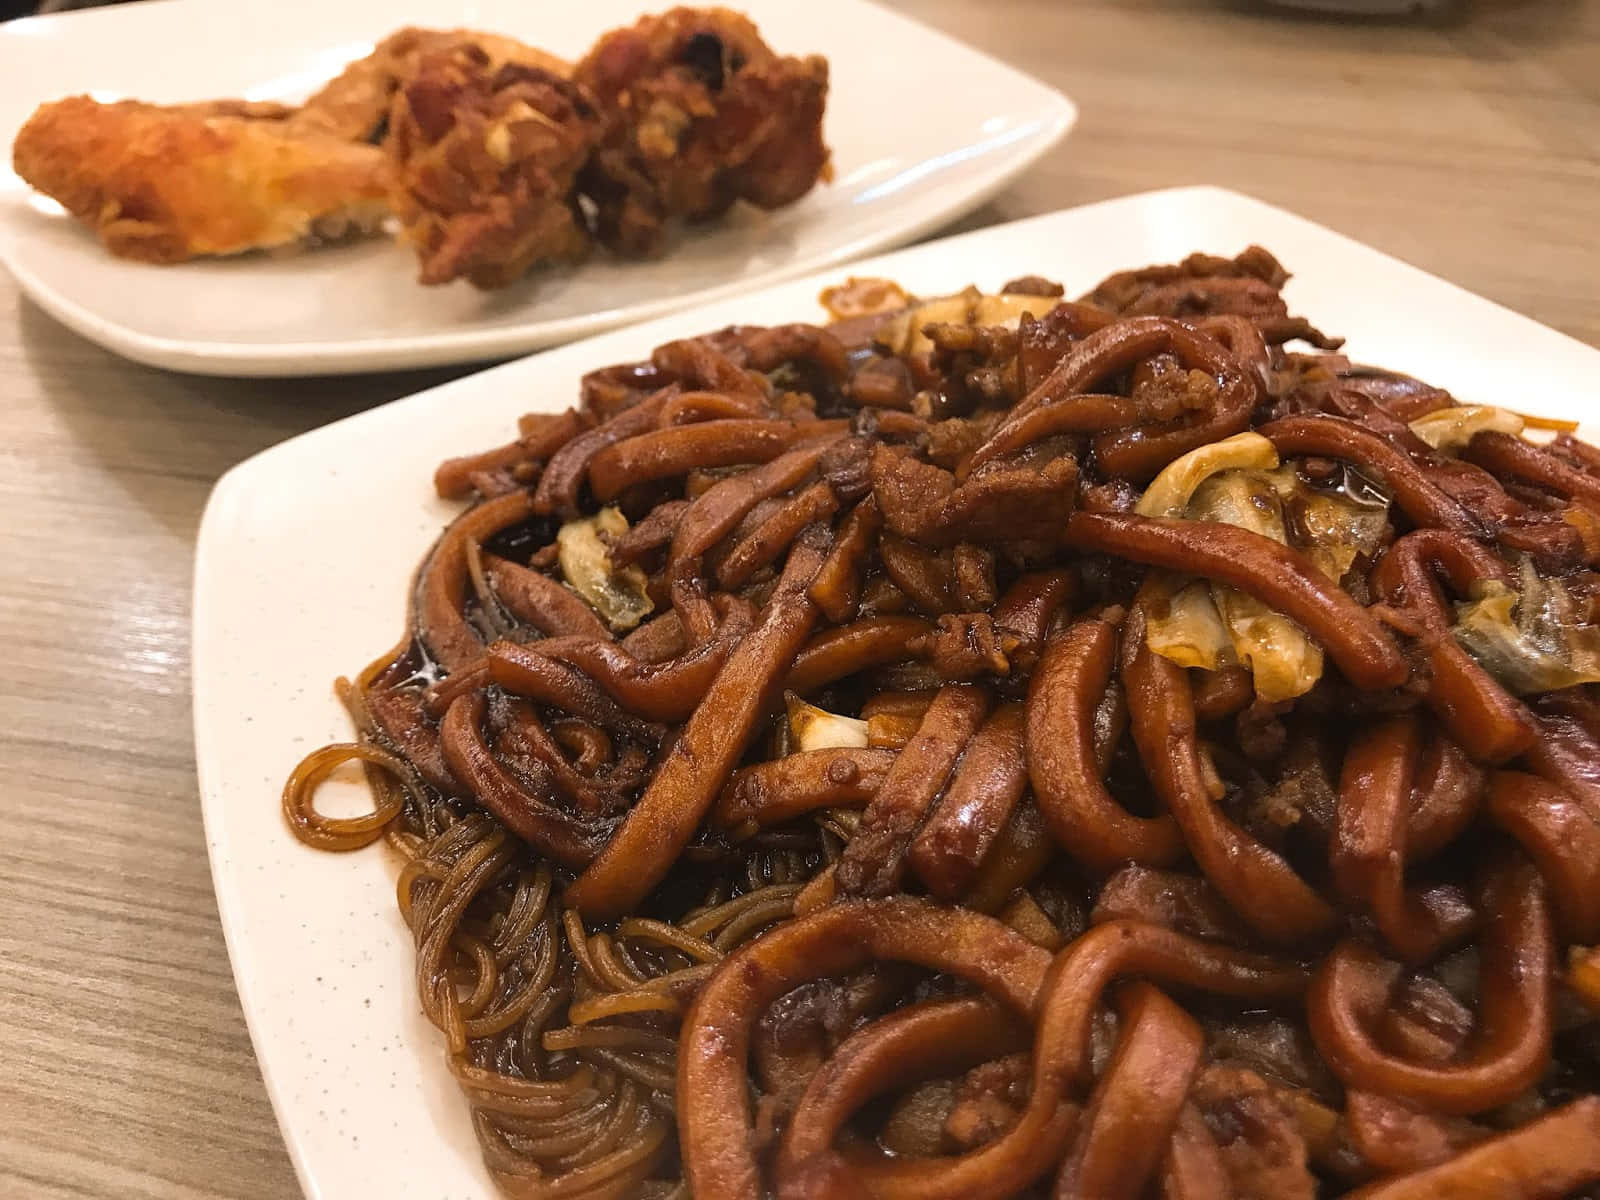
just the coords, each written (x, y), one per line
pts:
(304, 555)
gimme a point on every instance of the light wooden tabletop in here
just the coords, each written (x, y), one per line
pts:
(1471, 149)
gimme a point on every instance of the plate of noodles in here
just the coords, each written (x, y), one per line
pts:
(312, 188)
(1071, 708)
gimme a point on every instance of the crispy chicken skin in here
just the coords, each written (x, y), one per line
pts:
(255, 110)
(167, 184)
(493, 154)
(354, 104)
(704, 113)
(486, 154)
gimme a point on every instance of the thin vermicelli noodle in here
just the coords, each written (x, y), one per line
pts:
(1010, 746)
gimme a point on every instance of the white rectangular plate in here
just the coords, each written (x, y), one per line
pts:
(923, 129)
(301, 575)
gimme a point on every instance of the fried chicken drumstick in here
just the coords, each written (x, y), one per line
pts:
(486, 158)
(166, 184)
(354, 104)
(704, 113)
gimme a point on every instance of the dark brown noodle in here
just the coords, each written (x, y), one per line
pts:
(1083, 748)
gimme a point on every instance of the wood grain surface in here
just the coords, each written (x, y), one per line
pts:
(1469, 147)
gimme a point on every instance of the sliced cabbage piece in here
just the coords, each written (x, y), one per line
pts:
(1005, 309)
(1239, 481)
(1529, 639)
(1169, 492)
(1182, 623)
(1283, 661)
(618, 594)
(902, 334)
(813, 728)
(1331, 530)
(1248, 499)
(1452, 428)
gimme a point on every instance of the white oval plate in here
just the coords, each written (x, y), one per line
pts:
(923, 129)
(301, 575)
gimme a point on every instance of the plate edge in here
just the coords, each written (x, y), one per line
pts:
(239, 477)
(221, 494)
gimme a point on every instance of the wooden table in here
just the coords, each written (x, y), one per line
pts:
(1470, 149)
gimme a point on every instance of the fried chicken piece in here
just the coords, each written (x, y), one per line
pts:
(487, 146)
(167, 184)
(702, 113)
(486, 155)
(254, 110)
(354, 104)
